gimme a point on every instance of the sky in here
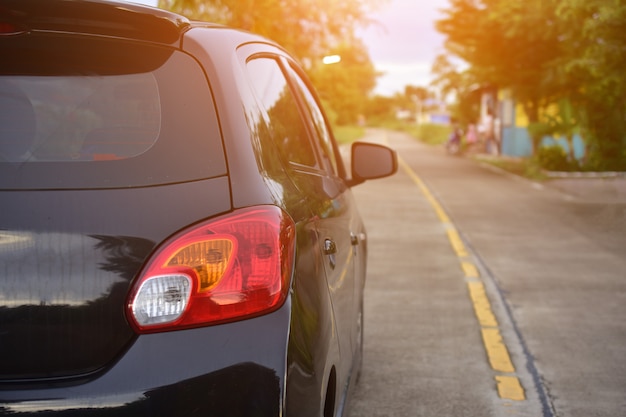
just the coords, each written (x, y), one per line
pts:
(405, 44)
(402, 45)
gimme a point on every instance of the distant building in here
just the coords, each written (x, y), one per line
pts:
(510, 125)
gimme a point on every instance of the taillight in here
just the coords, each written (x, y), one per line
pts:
(7, 29)
(229, 268)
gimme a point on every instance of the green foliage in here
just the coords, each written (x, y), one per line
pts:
(461, 84)
(466, 110)
(501, 42)
(566, 52)
(307, 28)
(593, 69)
(433, 134)
(429, 133)
(379, 109)
(331, 115)
(348, 134)
(595, 30)
(345, 85)
(553, 158)
(606, 137)
(412, 92)
(525, 167)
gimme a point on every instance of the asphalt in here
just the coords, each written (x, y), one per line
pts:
(550, 255)
(592, 189)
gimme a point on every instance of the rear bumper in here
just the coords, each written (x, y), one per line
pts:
(236, 369)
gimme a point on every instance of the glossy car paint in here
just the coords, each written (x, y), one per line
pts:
(70, 252)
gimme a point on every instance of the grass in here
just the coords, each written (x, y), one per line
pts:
(348, 134)
(524, 167)
(429, 133)
(432, 134)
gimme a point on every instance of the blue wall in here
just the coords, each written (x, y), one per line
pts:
(516, 142)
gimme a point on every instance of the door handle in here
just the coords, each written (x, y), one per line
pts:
(330, 248)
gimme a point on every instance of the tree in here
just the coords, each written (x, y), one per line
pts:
(593, 67)
(379, 109)
(507, 45)
(307, 28)
(460, 84)
(413, 92)
(448, 78)
(344, 86)
(547, 52)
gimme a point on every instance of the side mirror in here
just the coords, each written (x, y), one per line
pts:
(370, 161)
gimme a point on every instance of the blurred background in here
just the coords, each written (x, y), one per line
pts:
(540, 80)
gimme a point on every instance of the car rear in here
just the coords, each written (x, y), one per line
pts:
(124, 269)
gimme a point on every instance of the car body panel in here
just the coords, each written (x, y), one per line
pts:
(68, 266)
(114, 18)
(244, 165)
(158, 375)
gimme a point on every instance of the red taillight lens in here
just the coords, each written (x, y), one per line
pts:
(7, 29)
(226, 269)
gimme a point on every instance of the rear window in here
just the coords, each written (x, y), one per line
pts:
(91, 112)
(78, 118)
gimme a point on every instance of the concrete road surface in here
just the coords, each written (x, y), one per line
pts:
(491, 295)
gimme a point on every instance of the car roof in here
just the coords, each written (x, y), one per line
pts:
(98, 17)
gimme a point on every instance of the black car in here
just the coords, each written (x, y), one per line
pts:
(177, 231)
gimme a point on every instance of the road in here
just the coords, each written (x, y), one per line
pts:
(489, 294)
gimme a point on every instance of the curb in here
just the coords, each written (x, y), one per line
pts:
(578, 174)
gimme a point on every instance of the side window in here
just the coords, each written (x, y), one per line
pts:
(319, 121)
(285, 124)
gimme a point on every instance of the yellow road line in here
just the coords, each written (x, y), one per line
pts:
(496, 350)
(469, 269)
(509, 386)
(482, 308)
(457, 243)
(431, 199)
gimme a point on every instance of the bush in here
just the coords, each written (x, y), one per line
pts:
(433, 134)
(554, 158)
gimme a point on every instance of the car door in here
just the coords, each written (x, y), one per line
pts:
(339, 226)
(323, 329)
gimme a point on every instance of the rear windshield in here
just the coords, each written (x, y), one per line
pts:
(78, 118)
(89, 112)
